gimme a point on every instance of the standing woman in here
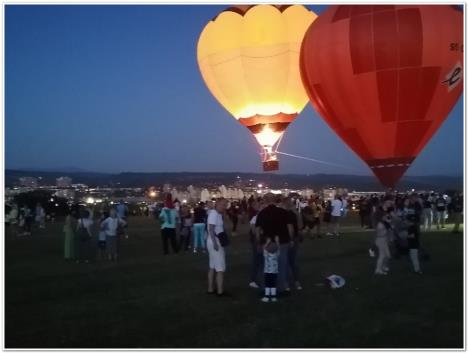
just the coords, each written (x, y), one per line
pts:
(69, 241)
(169, 219)
(40, 216)
(84, 234)
(383, 228)
(186, 231)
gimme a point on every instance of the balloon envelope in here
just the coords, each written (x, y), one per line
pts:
(384, 77)
(249, 59)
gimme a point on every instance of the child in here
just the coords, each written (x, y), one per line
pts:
(271, 254)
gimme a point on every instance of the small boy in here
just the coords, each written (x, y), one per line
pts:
(270, 254)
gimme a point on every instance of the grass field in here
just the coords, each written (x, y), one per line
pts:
(151, 301)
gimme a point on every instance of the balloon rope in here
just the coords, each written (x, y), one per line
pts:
(279, 142)
(315, 160)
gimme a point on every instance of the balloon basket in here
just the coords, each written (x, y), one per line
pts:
(270, 160)
(270, 166)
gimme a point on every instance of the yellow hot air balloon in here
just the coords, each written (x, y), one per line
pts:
(249, 59)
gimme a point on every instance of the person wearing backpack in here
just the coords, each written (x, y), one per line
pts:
(83, 235)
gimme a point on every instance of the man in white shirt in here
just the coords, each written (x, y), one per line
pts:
(216, 254)
(110, 226)
(337, 206)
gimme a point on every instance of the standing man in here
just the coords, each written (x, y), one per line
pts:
(441, 209)
(216, 254)
(457, 209)
(427, 213)
(122, 212)
(336, 212)
(168, 220)
(274, 223)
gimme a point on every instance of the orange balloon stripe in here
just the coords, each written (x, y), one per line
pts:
(267, 119)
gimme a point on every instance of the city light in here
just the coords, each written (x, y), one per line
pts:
(90, 200)
(260, 185)
(152, 193)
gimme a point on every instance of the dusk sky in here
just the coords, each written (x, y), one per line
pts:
(117, 88)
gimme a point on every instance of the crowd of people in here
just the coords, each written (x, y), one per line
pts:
(21, 219)
(277, 226)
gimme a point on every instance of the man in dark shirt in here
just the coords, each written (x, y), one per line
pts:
(199, 226)
(457, 210)
(274, 223)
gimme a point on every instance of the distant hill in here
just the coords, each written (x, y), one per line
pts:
(314, 181)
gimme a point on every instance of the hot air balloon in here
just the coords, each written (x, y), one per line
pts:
(249, 59)
(384, 78)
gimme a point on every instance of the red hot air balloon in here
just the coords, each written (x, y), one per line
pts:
(384, 77)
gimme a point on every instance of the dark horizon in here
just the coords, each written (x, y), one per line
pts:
(85, 171)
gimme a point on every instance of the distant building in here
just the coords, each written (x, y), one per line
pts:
(29, 182)
(66, 194)
(64, 182)
(79, 186)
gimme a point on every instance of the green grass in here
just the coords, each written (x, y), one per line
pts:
(151, 301)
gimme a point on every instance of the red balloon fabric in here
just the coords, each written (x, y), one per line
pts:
(384, 77)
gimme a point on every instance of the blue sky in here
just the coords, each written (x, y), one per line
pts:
(117, 88)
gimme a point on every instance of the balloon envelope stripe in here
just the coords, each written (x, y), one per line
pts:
(410, 37)
(361, 44)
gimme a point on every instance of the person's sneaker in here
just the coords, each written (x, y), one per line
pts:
(223, 294)
(253, 285)
(265, 299)
(298, 286)
(194, 251)
(380, 273)
(274, 300)
(287, 289)
(371, 253)
(328, 233)
(386, 269)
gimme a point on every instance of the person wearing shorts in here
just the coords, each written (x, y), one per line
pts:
(216, 254)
